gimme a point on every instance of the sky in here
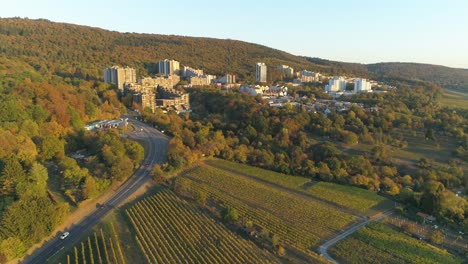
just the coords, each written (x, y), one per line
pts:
(363, 31)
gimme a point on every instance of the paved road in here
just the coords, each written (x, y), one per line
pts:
(155, 153)
(324, 248)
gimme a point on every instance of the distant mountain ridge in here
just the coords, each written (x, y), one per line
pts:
(82, 51)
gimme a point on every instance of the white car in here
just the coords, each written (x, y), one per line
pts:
(64, 235)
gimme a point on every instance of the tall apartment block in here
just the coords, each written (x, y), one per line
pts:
(168, 67)
(261, 72)
(119, 76)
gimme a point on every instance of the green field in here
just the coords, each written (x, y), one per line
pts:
(359, 200)
(379, 243)
(170, 230)
(454, 99)
(300, 222)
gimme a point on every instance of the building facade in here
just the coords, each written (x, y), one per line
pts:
(362, 85)
(119, 76)
(261, 72)
(168, 67)
(190, 72)
(337, 84)
(227, 79)
(288, 71)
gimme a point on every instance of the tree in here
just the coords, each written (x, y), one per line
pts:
(201, 197)
(437, 237)
(281, 250)
(229, 214)
(157, 174)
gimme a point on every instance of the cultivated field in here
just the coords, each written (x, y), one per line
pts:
(299, 222)
(359, 200)
(379, 243)
(170, 230)
(99, 247)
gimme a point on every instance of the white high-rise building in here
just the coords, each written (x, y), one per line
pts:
(362, 85)
(261, 72)
(119, 76)
(288, 71)
(168, 67)
(337, 84)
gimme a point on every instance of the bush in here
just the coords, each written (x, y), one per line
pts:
(229, 214)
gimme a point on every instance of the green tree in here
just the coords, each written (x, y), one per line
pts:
(437, 237)
(229, 214)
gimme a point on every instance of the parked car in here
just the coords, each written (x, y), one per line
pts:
(64, 235)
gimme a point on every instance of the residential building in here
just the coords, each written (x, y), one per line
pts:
(170, 97)
(190, 72)
(164, 81)
(201, 80)
(308, 76)
(337, 84)
(362, 85)
(227, 79)
(288, 71)
(261, 72)
(119, 76)
(168, 67)
(145, 100)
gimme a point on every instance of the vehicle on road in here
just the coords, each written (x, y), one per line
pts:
(64, 235)
(147, 165)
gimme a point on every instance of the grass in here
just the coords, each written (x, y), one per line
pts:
(453, 99)
(356, 199)
(380, 243)
(270, 176)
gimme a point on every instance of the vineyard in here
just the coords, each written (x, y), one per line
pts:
(359, 200)
(378, 243)
(98, 248)
(170, 230)
(299, 222)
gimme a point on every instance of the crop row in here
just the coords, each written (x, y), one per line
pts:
(170, 230)
(357, 199)
(316, 217)
(97, 249)
(383, 240)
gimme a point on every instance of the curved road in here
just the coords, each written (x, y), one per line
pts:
(324, 248)
(155, 154)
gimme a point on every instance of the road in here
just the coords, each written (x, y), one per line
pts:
(154, 154)
(324, 248)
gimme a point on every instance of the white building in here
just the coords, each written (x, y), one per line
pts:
(201, 80)
(253, 90)
(362, 85)
(227, 79)
(190, 72)
(288, 71)
(168, 67)
(119, 76)
(261, 72)
(337, 84)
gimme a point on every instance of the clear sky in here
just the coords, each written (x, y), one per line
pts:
(366, 31)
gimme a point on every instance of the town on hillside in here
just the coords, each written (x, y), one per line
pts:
(165, 90)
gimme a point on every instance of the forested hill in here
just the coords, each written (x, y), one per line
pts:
(81, 51)
(449, 78)
(71, 49)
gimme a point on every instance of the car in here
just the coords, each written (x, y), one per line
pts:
(64, 235)
(147, 165)
(435, 226)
